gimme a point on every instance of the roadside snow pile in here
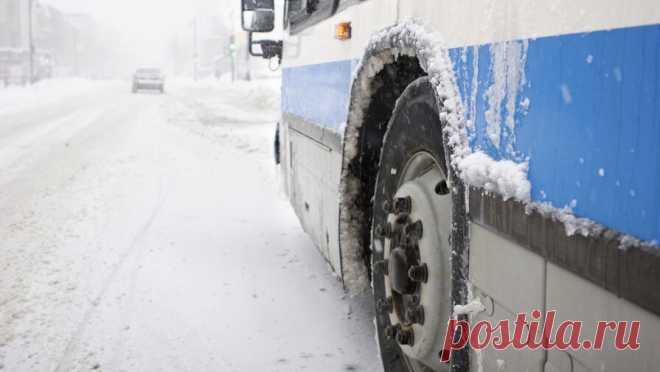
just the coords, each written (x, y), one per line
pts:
(504, 177)
(14, 98)
(242, 101)
(260, 94)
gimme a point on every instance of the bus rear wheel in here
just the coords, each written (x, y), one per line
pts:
(410, 236)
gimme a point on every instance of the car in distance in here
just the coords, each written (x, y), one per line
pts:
(148, 78)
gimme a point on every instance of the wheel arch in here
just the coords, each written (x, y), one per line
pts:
(394, 55)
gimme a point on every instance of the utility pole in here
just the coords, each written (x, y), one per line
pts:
(31, 41)
(232, 56)
(195, 53)
(232, 44)
(248, 75)
(76, 52)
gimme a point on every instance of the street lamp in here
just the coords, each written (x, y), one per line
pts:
(232, 56)
(195, 51)
(31, 41)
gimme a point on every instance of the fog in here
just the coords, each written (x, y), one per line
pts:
(114, 37)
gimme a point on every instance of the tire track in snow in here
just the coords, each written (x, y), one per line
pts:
(73, 343)
(14, 151)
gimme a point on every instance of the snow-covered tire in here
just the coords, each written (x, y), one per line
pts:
(414, 138)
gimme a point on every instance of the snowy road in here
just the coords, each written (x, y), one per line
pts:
(149, 233)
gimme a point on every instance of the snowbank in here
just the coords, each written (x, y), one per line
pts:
(244, 101)
(14, 98)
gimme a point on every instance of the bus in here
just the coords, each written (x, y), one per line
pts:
(476, 160)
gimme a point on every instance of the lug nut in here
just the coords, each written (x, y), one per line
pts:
(382, 266)
(419, 273)
(402, 219)
(405, 337)
(383, 232)
(392, 331)
(415, 229)
(441, 188)
(402, 205)
(385, 305)
(387, 207)
(415, 315)
(378, 231)
(407, 242)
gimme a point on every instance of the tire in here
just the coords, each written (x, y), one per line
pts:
(414, 139)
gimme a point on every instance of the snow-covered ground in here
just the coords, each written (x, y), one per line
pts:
(149, 233)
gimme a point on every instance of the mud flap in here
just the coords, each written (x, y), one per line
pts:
(276, 144)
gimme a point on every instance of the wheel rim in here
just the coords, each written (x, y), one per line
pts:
(416, 252)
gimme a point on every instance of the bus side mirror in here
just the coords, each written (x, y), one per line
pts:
(258, 15)
(268, 48)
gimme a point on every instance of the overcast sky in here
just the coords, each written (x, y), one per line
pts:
(148, 21)
(150, 16)
(147, 27)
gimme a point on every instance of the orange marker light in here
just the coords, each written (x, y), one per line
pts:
(343, 31)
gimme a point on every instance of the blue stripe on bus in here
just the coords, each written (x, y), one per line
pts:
(591, 133)
(318, 93)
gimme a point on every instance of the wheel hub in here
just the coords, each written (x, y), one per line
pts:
(416, 268)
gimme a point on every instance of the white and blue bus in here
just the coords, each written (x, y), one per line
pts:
(476, 159)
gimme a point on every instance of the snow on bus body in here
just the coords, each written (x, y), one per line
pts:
(565, 109)
(570, 88)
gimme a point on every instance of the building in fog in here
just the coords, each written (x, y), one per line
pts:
(83, 44)
(55, 38)
(14, 24)
(14, 41)
(68, 39)
(63, 44)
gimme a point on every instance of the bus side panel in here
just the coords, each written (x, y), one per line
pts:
(580, 300)
(316, 80)
(539, 83)
(585, 115)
